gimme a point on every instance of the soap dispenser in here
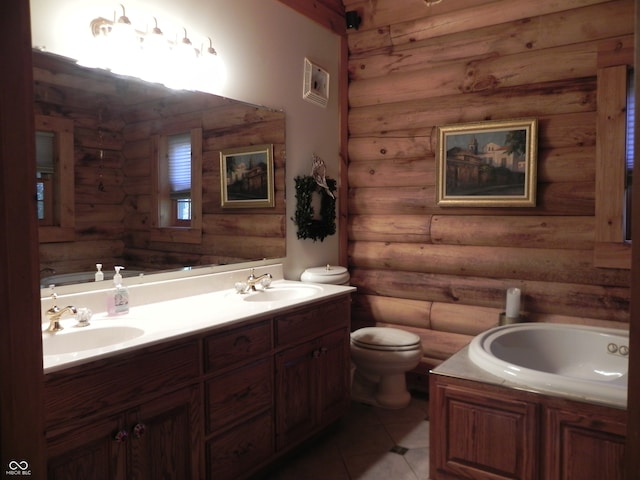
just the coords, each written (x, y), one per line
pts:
(118, 298)
(99, 274)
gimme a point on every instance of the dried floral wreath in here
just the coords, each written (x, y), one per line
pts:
(306, 186)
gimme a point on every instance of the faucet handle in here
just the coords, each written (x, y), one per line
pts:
(83, 315)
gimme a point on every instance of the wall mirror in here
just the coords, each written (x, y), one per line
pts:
(115, 121)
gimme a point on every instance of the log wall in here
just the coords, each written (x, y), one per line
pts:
(442, 272)
(115, 119)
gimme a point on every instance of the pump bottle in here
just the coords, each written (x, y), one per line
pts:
(118, 298)
(99, 274)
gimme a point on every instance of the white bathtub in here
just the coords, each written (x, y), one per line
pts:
(574, 360)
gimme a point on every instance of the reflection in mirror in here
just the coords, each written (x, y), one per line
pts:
(114, 123)
(54, 178)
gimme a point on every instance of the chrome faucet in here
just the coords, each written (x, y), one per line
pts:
(252, 280)
(54, 314)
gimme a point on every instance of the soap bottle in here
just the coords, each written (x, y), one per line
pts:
(118, 298)
(99, 274)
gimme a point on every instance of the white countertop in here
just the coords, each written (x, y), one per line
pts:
(179, 317)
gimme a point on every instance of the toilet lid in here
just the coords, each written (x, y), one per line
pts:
(333, 274)
(385, 338)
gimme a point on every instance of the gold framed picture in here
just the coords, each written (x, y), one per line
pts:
(246, 175)
(487, 164)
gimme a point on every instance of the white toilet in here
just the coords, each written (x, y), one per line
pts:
(329, 274)
(382, 356)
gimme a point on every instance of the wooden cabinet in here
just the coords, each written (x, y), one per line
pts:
(312, 376)
(584, 442)
(487, 432)
(239, 400)
(132, 417)
(213, 405)
(154, 440)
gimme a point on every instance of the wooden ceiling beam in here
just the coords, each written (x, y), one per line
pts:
(328, 13)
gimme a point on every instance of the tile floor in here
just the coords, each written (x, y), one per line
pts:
(368, 444)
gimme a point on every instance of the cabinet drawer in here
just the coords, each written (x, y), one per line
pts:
(311, 320)
(239, 394)
(104, 385)
(244, 343)
(234, 454)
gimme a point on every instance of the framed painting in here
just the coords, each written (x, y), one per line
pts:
(246, 175)
(487, 164)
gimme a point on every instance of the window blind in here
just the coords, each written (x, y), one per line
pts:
(44, 152)
(179, 163)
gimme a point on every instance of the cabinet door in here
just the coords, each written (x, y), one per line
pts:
(295, 393)
(481, 434)
(165, 439)
(582, 444)
(88, 451)
(240, 450)
(334, 376)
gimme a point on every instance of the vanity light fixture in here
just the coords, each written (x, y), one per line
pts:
(150, 54)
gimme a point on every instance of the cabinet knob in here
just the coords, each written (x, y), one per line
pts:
(138, 430)
(121, 436)
(315, 353)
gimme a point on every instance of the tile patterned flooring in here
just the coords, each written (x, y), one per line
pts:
(370, 443)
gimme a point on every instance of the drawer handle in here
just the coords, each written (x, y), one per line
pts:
(244, 450)
(241, 339)
(138, 430)
(121, 436)
(243, 394)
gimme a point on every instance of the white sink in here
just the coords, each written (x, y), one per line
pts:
(282, 293)
(77, 339)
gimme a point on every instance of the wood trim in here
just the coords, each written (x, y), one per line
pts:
(632, 467)
(343, 127)
(21, 382)
(328, 13)
(610, 166)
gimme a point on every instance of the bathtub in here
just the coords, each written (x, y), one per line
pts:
(571, 360)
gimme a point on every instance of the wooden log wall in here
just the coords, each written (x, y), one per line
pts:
(443, 272)
(114, 120)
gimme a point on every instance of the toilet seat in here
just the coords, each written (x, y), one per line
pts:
(385, 339)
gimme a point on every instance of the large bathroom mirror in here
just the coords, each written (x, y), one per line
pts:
(119, 124)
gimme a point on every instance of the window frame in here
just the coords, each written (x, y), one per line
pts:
(63, 208)
(610, 248)
(163, 209)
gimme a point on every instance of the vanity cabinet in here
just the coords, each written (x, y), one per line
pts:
(221, 404)
(488, 432)
(312, 372)
(121, 422)
(239, 400)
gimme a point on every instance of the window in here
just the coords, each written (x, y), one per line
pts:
(55, 178)
(629, 154)
(178, 196)
(45, 169)
(179, 166)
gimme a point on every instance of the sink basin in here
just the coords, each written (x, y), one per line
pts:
(76, 340)
(282, 293)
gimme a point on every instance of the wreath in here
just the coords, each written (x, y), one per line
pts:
(308, 227)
